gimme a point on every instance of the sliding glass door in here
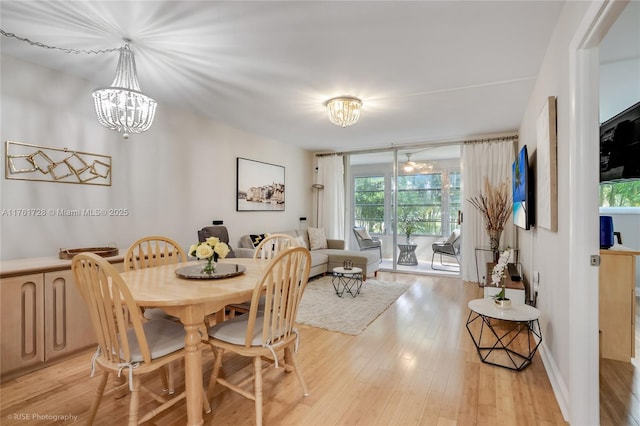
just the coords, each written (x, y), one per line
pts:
(409, 199)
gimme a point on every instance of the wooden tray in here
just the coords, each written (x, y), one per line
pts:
(100, 251)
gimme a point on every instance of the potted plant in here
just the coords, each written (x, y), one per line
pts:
(407, 223)
(498, 279)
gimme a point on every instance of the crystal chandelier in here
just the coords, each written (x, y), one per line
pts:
(123, 107)
(344, 111)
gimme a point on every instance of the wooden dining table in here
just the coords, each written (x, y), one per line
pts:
(191, 300)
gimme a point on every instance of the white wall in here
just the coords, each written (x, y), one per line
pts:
(540, 249)
(619, 87)
(174, 179)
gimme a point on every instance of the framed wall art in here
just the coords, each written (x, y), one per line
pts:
(25, 161)
(260, 186)
(547, 167)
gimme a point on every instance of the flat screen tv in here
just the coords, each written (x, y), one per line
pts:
(522, 183)
(620, 146)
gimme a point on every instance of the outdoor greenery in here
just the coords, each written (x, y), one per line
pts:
(369, 203)
(620, 194)
(424, 206)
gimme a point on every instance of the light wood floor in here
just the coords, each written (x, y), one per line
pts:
(415, 365)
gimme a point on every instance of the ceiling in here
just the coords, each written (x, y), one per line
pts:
(426, 71)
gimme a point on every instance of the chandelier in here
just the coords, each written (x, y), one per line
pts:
(344, 111)
(123, 107)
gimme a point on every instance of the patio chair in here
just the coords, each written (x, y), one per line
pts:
(450, 248)
(366, 241)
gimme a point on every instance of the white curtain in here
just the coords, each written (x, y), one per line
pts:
(493, 160)
(331, 197)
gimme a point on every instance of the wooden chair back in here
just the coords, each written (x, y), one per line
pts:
(111, 306)
(153, 251)
(272, 245)
(282, 285)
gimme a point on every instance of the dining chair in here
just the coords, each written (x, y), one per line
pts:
(128, 343)
(268, 248)
(273, 244)
(153, 251)
(262, 333)
(150, 252)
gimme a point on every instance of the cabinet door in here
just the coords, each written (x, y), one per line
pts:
(67, 323)
(22, 334)
(617, 306)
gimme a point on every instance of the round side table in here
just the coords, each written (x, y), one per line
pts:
(349, 280)
(512, 337)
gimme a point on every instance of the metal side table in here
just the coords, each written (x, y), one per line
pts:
(349, 280)
(506, 338)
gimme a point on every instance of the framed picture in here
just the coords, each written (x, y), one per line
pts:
(547, 167)
(260, 186)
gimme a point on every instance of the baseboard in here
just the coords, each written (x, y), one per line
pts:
(557, 383)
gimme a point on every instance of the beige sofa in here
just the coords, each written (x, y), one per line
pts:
(323, 260)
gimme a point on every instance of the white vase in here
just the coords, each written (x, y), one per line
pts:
(503, 303)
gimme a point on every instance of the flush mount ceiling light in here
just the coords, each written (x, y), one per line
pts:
(344, 111)
(123, 107)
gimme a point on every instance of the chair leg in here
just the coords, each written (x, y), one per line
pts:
(292, 358)
(134, 403)
(217, 363)
(98, 397)
(257, 371)
(166, 374)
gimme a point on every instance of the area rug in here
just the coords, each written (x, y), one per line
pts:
(321, 307)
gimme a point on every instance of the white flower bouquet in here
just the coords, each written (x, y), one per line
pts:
(210, 250)
(497, 274)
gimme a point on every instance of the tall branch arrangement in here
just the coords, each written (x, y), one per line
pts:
(494, 204)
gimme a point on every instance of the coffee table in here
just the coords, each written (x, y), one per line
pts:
(349, 280)
(512, 337)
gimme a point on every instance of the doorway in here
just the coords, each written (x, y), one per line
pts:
(583, 177)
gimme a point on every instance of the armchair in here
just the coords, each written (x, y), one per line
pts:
(367, 242)
(219, 231)
(450, 247)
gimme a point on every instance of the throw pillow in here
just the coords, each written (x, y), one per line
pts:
(300, 242)
(257, 238)
(363, 234)
(317, 239)
(453, 236)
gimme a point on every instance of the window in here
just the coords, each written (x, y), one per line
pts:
(620, 194)
(420, 203)
(369, 203)
(455, 184)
